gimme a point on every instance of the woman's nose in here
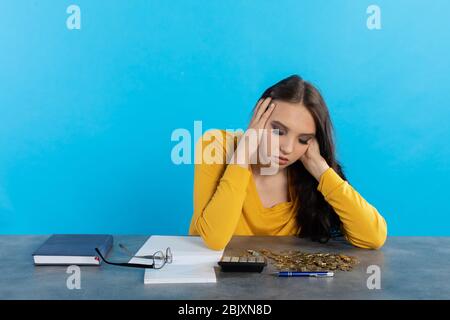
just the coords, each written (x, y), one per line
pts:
(286, 147)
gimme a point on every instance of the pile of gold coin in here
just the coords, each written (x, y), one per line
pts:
(303, 261)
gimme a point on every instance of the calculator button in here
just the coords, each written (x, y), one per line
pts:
(226, 259)
(243, 259)
(251, 259)
(259, 259)
(234, 259)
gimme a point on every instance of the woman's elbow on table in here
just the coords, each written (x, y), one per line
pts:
(374, 241)
(214, 243)
(213, 240)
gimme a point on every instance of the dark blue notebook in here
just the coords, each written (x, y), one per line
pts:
(68, 249)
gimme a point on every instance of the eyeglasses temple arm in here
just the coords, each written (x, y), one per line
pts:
(134, 265)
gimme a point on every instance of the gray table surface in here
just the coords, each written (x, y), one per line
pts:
(411, 268)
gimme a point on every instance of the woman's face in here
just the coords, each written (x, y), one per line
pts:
(296, 128)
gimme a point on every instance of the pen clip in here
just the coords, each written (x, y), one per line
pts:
(324, 275)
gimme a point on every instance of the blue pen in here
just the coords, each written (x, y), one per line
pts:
(305, 274)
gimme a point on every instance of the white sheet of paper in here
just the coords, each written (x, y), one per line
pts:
(192, 261)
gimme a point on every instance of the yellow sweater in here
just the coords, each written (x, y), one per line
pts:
(226, 202)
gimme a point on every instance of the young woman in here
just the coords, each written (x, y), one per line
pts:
(308, 196)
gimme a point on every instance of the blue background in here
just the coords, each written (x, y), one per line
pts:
(86, 115)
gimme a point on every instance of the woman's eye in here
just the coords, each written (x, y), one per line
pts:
(277, 131)
(303, 141)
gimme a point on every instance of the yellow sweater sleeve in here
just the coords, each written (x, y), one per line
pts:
(219, 194)
(363, 226)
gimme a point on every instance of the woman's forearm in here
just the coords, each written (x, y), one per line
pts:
(218, 206)
(364, 226)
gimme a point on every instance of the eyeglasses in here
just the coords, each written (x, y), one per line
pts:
(159, 259)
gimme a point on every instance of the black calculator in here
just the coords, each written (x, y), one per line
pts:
(242, 264)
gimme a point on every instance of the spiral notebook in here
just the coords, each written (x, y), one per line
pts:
(192, 261)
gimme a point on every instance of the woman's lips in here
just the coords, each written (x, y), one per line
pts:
(283, 160)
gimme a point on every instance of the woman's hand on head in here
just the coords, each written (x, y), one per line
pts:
(313, 161)
(263, 110)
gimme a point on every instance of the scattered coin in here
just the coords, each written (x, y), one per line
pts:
(297, 260)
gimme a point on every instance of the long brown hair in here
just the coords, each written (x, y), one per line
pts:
(316, 218)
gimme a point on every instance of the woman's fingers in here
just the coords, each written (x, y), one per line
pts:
(266, 115)
(258, 105)
(262, 108)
